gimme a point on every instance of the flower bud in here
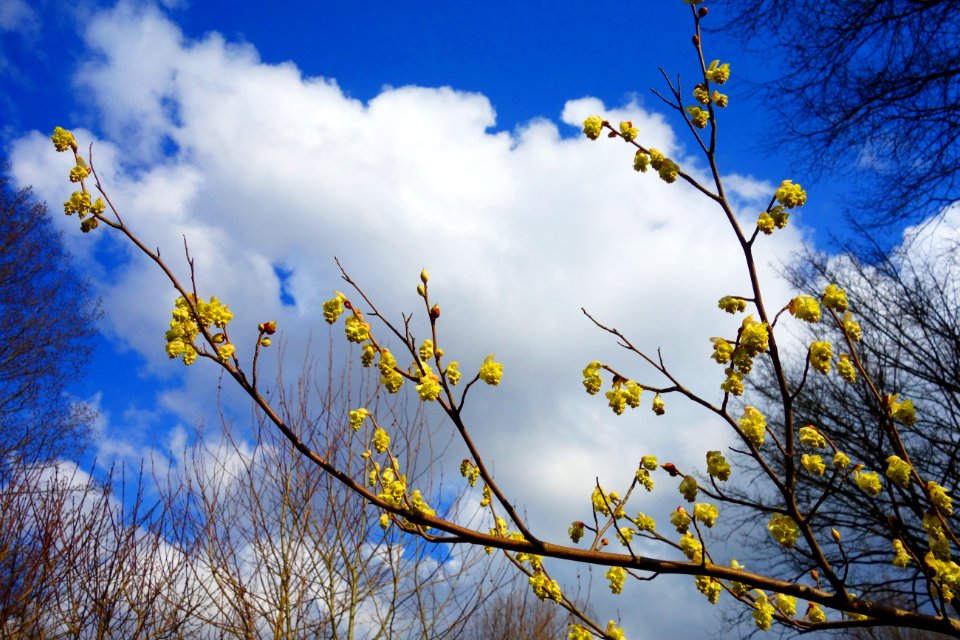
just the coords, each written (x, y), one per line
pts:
(218, 338)
(696, 40)
(439, 352)
(671, 468)
(421, 290)
(702, 12)
(835, 534)
(265, 342)
(424, 276)
(435, 311)
(269, 328)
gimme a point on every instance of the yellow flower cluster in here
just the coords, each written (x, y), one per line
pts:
(813, 464)
(851, 327)
(835, 298)
(717, 72)
(592, 127)
(184, 328)
(543, 587)
(717, 465)
(706, 513)
(762, 612)
(810, 437)
(681, 520)
(806, 308)
(691, 547)
(644, 522)
(688, 488)
(732, 304)
(939, 498)
(628, 131)
(790, 195)
(490, 371)
(903, 412)
(698, 117)
(380, 440)
(709, 587)
(469, 471)
(901, 558)
(754, 425)
(784, 529)
(617, 577)
(575, 531)
(664, 166)
(821, 354)
(898, 471)
(868, 481)
(357, 417)
(846, 369)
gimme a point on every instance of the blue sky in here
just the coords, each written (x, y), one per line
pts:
(395, 137)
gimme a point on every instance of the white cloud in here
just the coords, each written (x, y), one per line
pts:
(519, 230)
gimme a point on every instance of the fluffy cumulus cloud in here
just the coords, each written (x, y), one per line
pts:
(259, 167)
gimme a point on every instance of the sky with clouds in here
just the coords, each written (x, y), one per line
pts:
(395, 139)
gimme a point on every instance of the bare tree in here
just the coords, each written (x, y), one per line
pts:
(47, 324)
(869, 90)
(909, 302)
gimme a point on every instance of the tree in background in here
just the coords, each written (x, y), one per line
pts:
(909, 303)
(281, 551)
(47, 325)
(871, 90)
(799, 468)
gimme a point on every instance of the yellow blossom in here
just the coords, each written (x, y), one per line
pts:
(706, 513)
(851, 327)
(63, 139)
(868, 481)
(658, 406)
(688, 488)
(791, 195)
(939, 498)
(754, 336)
(680, 519)
(898, 471)
(813, 464)
(356, 329)
(821, 354)
(722, 350)
(380, 440)
(710, 587)
(617, 577)
(806, 308)
(592, 127)
(810, 437)
(357, 417)
(691, 547)
(490, 371)
(754, 425)
(717, 72)
(717, 465)
(841, 460)
(835, 298)
(628, 131)
(846, 369)
(332, 309)
(784, 529)
(902, 558)
(640, 161)
(732, 304)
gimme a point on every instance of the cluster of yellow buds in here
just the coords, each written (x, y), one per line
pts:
(79, 202)
(184, 329)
